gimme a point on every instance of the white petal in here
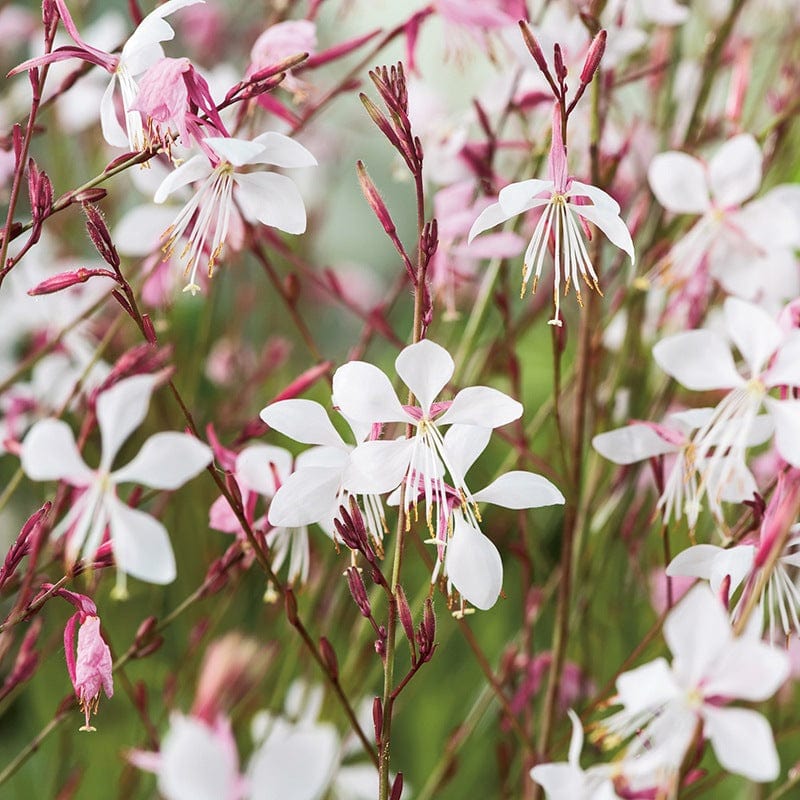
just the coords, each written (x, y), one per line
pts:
(194, 764)
(473, 565)
(694, 562)
(378, 467)
(785, 369)
(138, 233)
(463, 444)
(561, 781)
(120, 410)
(109, 124)
(679, 183)
(663, 12)
(490, 216)
(734, 173)
(597, 196)
(49, 453)
(297, 766)
(282, 151)
(195, 169)
(482, 406)
(608, 221)
(306, 497)
(518, 197)
(271, 199)
(302, 420)
(697, 630)
(634, 442)
(700, 360)
(363, 392)
(235, 151)
(713, 564)
(749, 669)
(786, 416)
(426, 368)
(754, 332)
(742, 742)
(576, 740)
(166, 461)
(645, 687)
(518, 489)
(141, 544)
(258, 466)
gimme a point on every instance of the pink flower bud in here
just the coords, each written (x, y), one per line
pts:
(593, 57)
(66, 279)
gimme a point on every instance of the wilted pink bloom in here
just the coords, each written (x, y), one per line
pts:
(171, 95)
(91, 670)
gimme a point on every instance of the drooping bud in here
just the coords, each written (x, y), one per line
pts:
(90, 670)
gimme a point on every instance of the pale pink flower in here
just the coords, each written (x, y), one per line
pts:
(280, 41)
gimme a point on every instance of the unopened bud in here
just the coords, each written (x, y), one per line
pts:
(397, 787)
(558, 62)
(358, 591)
(149, 330)
(290, 602)
(66, 279)
(88, 195)
(304, 382)
(374, 199)
(533, 47)
(329, 657)
(145, 631)
(377, 719)
(406, 620)
(593, 57)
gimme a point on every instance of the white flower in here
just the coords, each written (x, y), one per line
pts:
(747, 248)
(701, 360)
(363, 393)
(316, 488)
(563, 219)
(663, 704)
(567, 781)
(225, 180)
(166, 461)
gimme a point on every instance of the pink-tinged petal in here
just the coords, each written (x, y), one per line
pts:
(490, 216)
(378, 467)
(482, 406)
(611, 224)
(235, 151)
(697, 630)
(282, 151)
(734, 173)
(473, 565)
(363, 392)
(120, 410)
(49, 453)
(166, 461)
(195, 169)
(785, 369)
(742, 742)
(664, 12)
(194, 764)
(426, 368)
(304, 421)
(463, 444)
(109, 124)
(518, 489)
(307, 496)
(141, 544)
(296, 766)
(504, 244)
(597, 196)
(635, 442)
(222, 518)
(260, 466)
(518, 197)
(679, 183)
(786, 416)
(749, 669)
(700, 360)
(271, 199)
(754, 332)
(646, 687)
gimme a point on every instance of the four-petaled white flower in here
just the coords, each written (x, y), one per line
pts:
(701, 360)
(362, 392)
(748, 247)
(227, 182)
(664, 704)
(166, 461)
(567, 205)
